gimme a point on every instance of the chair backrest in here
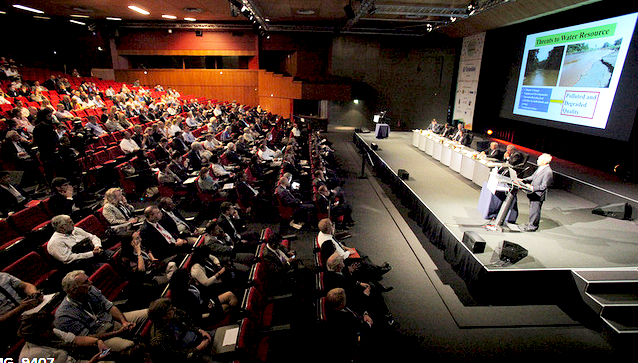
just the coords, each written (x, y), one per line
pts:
(25, 220)
(92, 225)
(8, 233)
(32, 268)
(108, 281)
(260, 278)
(246, 338)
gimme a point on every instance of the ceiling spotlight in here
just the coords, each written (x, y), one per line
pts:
(169, 16)
(453, 19)
(3, 12)
(170, 31)
(138, 10)
(243, 8)
(77, 22)
(26, 8)
(471, 7)
(100, 49)
(111, 18)
(190, 19)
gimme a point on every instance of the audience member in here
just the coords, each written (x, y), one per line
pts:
(86, 312)
(45, 340)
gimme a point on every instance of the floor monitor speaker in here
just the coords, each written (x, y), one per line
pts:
(475, 242)
(374, 146)
(512, 252)
(616, 210)
(403, 174)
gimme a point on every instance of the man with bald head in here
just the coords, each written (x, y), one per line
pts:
(65, 242)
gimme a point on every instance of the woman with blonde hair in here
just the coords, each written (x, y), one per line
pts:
(118, 212)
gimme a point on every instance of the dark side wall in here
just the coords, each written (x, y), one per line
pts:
(409, 77)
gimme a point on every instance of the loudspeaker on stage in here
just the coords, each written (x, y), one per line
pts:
(403, 174)
(475, 242)
(512, 252)
(616, 210)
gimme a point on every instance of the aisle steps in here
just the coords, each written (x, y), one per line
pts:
(613, 295)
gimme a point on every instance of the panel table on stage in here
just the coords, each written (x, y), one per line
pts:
(461, 159)
(446, 155)
(423, 139)
(429, 146)
(416, 137)
(467, 166)
(437, 151)
(482, 170)
(455, 163)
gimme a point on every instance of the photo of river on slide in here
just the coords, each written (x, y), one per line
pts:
(590, 64)
(543, 66)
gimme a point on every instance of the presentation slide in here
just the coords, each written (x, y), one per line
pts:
(570, 75)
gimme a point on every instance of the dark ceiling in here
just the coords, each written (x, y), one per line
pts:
(408, 17)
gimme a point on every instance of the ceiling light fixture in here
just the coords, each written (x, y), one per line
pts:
(138, 10)
(26, 8)
(77, 22)
(41, 17)
(453, 19)
(78, 16)
(190, 19)
(471, 8)
(111, 18)
(169, 16)
(3, 12)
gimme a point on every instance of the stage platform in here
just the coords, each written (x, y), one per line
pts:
(444, 203)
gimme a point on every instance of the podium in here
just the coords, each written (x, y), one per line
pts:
(514, 184)
(381, 131)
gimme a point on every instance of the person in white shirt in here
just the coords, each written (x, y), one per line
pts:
(212, 143)
(267, 154)
(62, 114)
(172, 126)
(218, 169)
(66, 235)
(112, 125)
(128, 145)
(187, 135)
(191, 120)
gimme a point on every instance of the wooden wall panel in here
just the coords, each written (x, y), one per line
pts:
(278, 86)
(274, 93)
(223, 85)
(278, 106)
(224, 43)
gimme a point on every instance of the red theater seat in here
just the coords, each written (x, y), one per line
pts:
(32, 268)
(108, 281)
